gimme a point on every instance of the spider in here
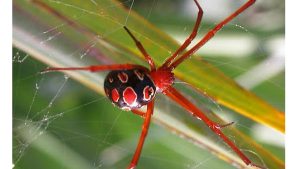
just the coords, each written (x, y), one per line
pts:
(130, 86)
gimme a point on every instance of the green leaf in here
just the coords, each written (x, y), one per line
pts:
(84, 22)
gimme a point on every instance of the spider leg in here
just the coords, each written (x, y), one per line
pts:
(97, 68)
(189, 39)
(142, 49)
(145, 128)
(211, 33)
(180, 99)
(139, 113)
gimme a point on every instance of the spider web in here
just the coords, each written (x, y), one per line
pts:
(57, 120)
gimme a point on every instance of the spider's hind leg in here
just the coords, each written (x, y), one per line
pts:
(145, 128)
(139, 113)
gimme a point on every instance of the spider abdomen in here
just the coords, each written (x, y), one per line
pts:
(129, 89)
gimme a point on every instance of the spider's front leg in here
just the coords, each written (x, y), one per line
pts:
(180, 99)
(142, 49)
(211, 34)
(189, 39)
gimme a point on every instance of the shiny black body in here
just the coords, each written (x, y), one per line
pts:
(138, 80)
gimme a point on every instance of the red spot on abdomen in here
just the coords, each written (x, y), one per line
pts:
(148, 93)
(139, 74)
(129, 96)
(123, 77)
(115, 95)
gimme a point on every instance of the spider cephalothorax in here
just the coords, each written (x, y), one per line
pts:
(163, 78)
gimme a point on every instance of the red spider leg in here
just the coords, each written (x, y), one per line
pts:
(145, 128)
(142, 49)
(95, 68)
(139, 113)
(180, 99)
(189, 39)
(211, 33)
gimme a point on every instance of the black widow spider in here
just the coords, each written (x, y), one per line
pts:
(130, 86)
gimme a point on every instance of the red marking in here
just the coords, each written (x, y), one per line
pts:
(115, 95)
(148, 92)
(123, 77)
(129, 96)
(139, 74)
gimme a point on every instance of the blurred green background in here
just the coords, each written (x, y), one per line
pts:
(71, 126)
